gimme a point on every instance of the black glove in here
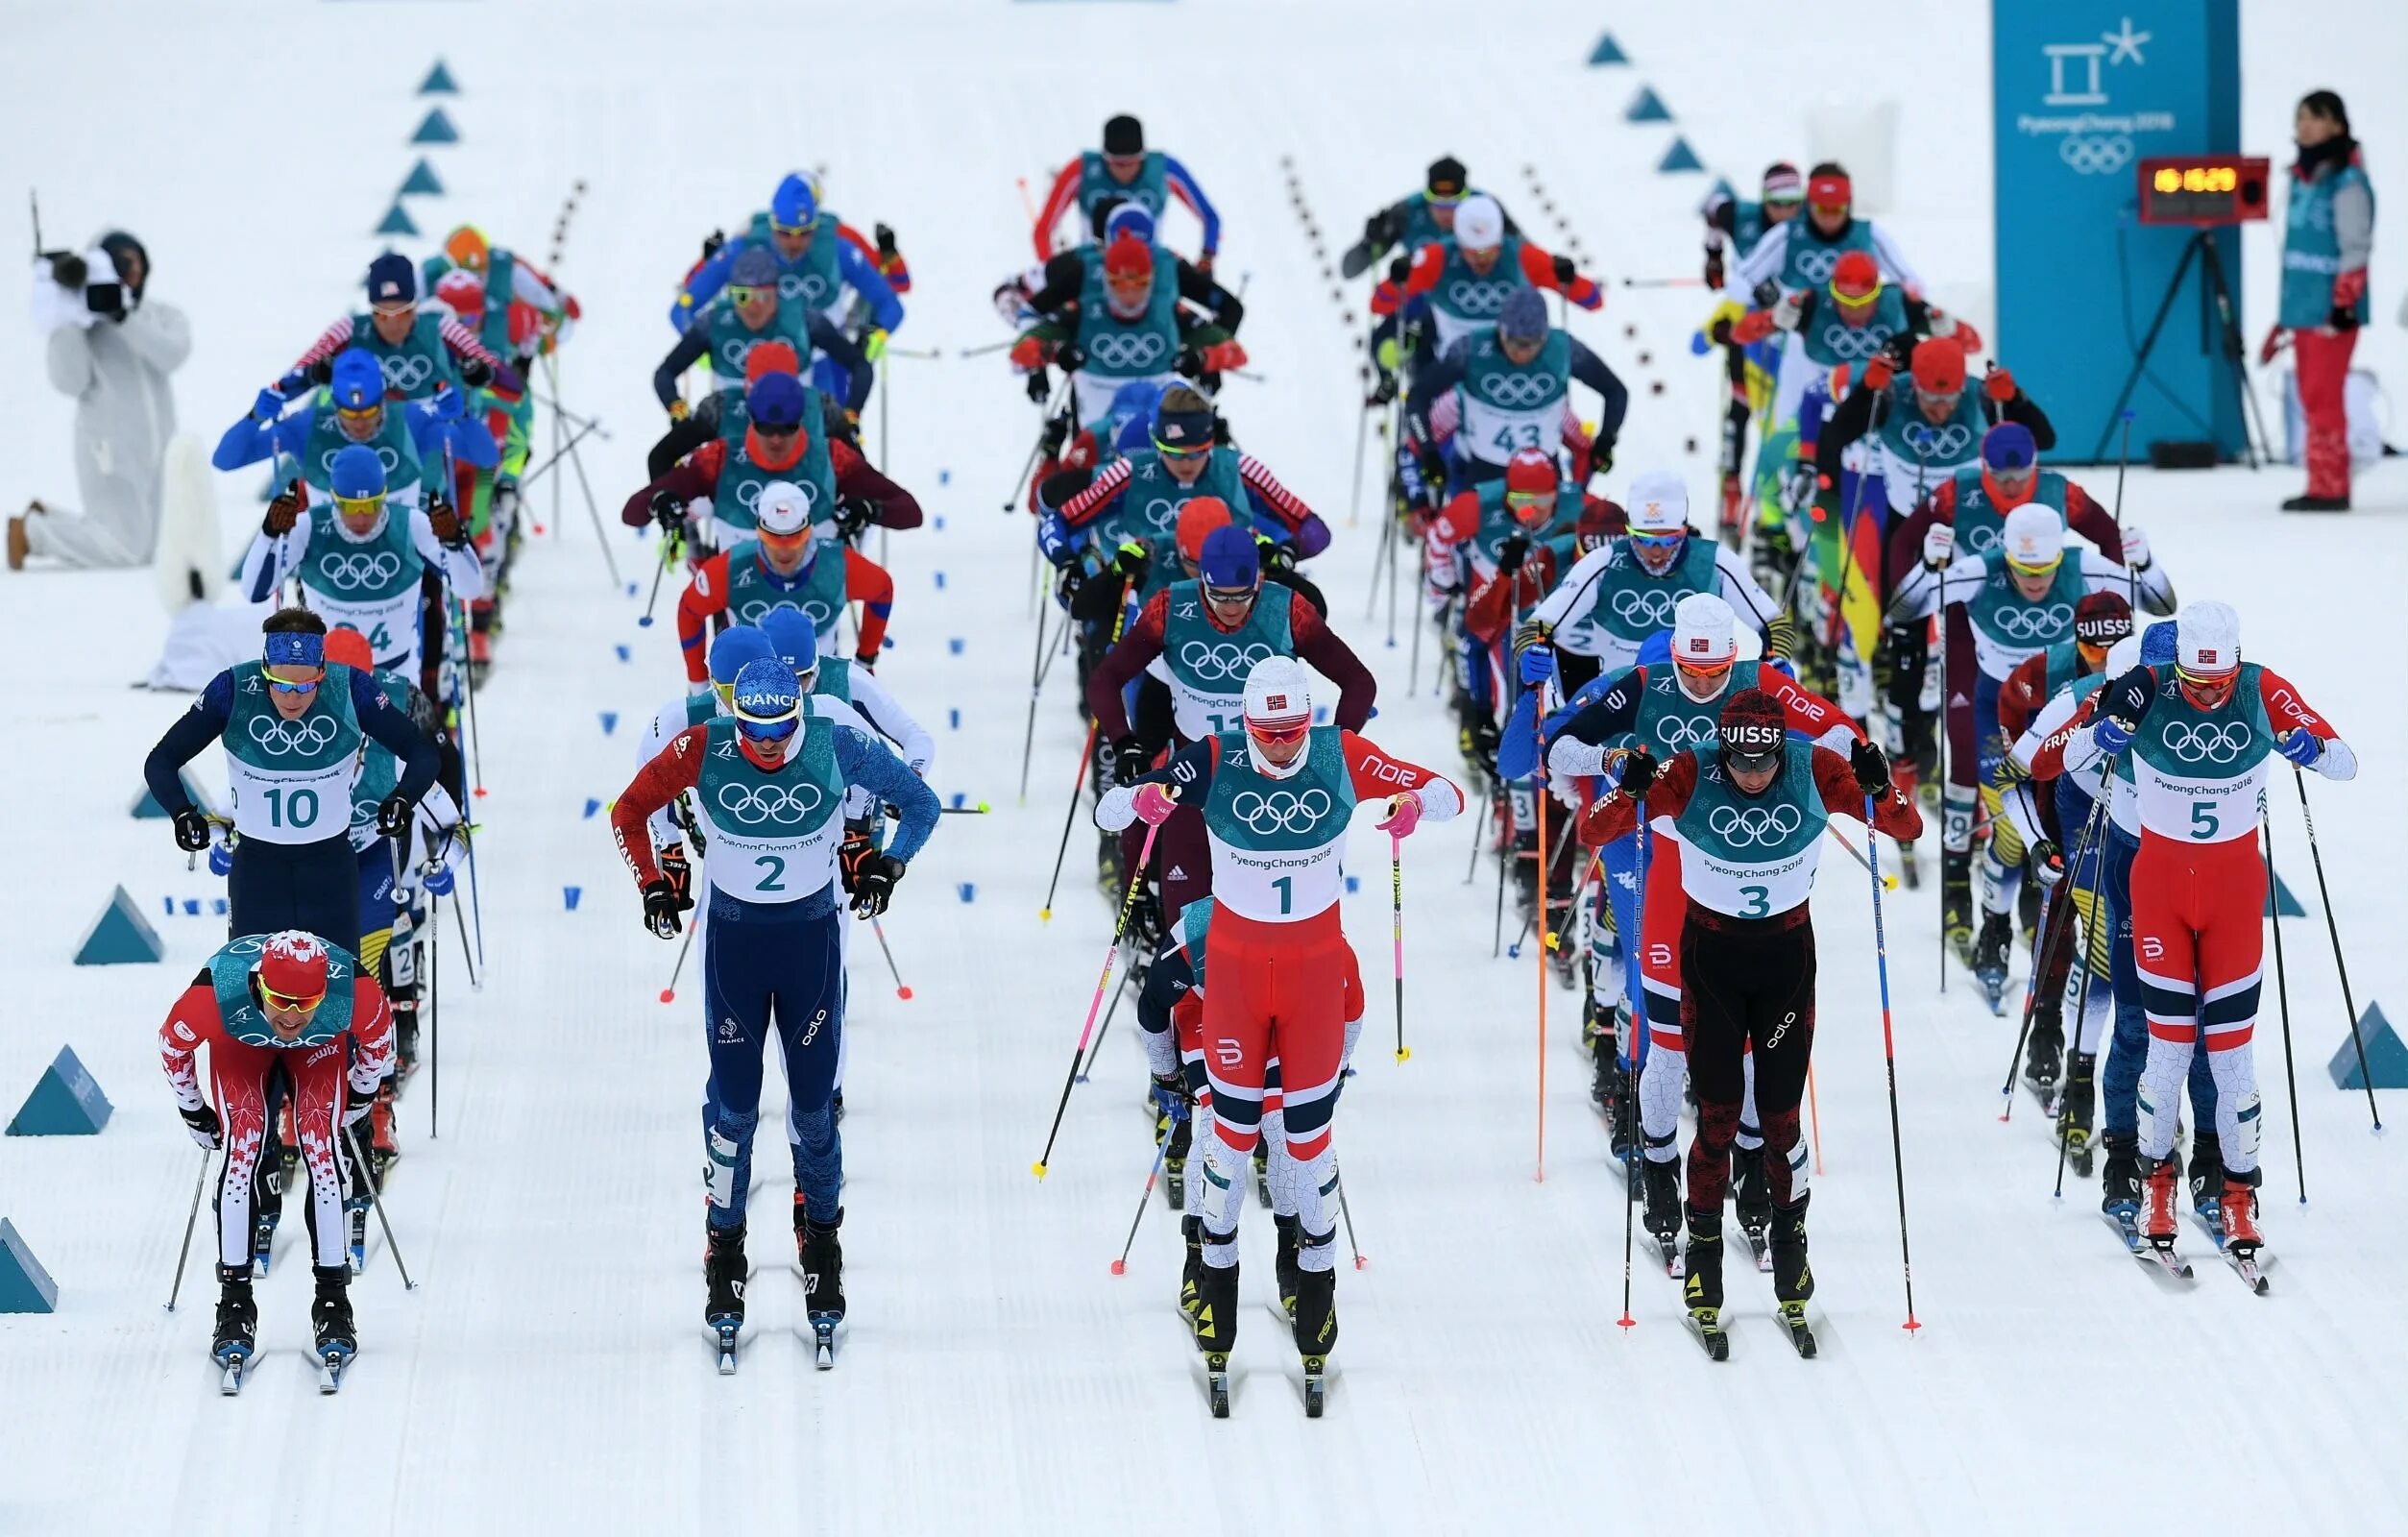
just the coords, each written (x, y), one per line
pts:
(853, 515)
(668, 513)
(1040, 388)
(854, 852)
(1049, 443)
(1638, 772)
(1766, 294)
(476, 371)
(450, 528)
(1068, 585)
(1189, 363)
(1385, 391)
(873, 884)
(192, 830)
(1900, 350)
(1713, 278)
(2048, 863)
(1601, 456)
(204, 1126)
(1070, 358)
(660, 909)
(2127, 698)
(884, 233)
(1511, 554)
(1274, 555)
(1565, 272)
(1870, 768)
(394, 813)
(680, 876)
(2345, 317)
(1132, 561)
(1130, 759)
(1401, 268)
(713, 243)
(1724, 216)
(357, 1105)
(1719, 332)
(1478, 740)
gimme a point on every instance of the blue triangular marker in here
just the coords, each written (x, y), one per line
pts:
(569, 895)
(437, 129)
(2384, 1054)
(1647, 108)
(25, 1287)
(1608, 51)
(609, 721)
(146, 808)
(590, 807)
(119, 935)
(438, 82)
(396, 220)
(421, 183)
(1679, 157)
(2279, 902)
(624, 653)
(65, 1102)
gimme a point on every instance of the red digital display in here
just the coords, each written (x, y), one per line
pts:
(2204, 190)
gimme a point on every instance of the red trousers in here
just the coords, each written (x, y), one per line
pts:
(2198, 935)
(2324, 364)
(1274, 990)
(1665, 908)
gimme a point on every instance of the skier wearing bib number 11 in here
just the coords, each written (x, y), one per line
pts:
(1276, 797)
(768, 786)
(2203, 742)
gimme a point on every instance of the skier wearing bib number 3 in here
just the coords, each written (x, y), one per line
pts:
(2202, 744)
(1275, 797)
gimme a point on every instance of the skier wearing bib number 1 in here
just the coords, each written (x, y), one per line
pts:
(768, 784)
(1276, 797)
(2202, 737)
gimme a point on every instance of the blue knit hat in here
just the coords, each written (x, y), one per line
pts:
(392, 280)
(735, 646)
(2008, 446)
(793, 639)
(356, 473)
(354, 379)
(794, 204)
(754, 267)
(1522, 317)
(1229, 559)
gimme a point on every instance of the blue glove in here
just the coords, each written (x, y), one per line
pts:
(1170, 1098)
(1537, 665)
(2303, 747)
(439, 881)
(2113, 735)
(295, 382)
(268, 406)
(221, 859)
(448, 405)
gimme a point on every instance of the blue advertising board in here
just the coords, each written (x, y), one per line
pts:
(2082, 90)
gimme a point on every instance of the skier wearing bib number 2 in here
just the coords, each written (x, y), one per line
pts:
(1276, 795)
(1747, 812)
(2202, 744)
(768, 784)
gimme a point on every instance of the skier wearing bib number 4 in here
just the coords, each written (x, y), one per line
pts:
(2201, 736)
(1747, 812)
(1276, 797)
(768, 784)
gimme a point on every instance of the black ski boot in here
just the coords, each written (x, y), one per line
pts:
(2075, 1110)
(330, 1314)
(1792, 1277)
(2028, 913)
(823, 1269)
(1990, 948)
(2206, 1178)
(1314, 1311)
(1262, 1172)
(237, 1316)
(1285, 1265)
(2044, 1059)
(1661, 1181)
(725, 1272)
(1751, 1191)
(1175, 1152)
(1215, 1318)
(1191, 1273)
(2119, 1181)
(1703, 1292)
(1957, 902)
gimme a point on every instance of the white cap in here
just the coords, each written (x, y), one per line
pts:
(1701, 631)
(1479, 223)
(2034, 536)
(1658, 503)
(2122, 657)
(2207, 639)
(782, 508)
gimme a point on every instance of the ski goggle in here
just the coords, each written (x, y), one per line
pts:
(1857, 301)
(1228, 597)
(1706, 672)
(393, 308)
(777, 430)
(1658, 544)
(293, 685)
(1437, 199)
(359, 506)
(2046, 568)
(770, 732)
(1751, 763)
(1279, 733)
(745, 293)
(284, 1003)
(358, 415)
(1531, 506)
(793, 229)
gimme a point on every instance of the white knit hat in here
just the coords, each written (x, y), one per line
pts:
(1479, 223)
(2207, 640)
(1658, 503)
(2034, 538)
(1702, 631)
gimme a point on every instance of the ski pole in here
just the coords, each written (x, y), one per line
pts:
(2059, 925)
(191, 1216)
(2282, 996)
(2122, 457)
(1889, 883)
(1348, 1217)
(1087, 1066)
(475, 984)
(879, 930)
(668, 995)
(435, 1016)
(1663, 282)
(2332, 927)
(1045, 914)
(1395, 909)
(1036, 685)
(1479, 836)
(986, 350)
(2081, 1011)
(375, 1197)
(1815, 1116)
(1380, 555)
(1635, 1171)
(1128, 905)
(1362, 435)
(576, 462)
(1011, 498)
(1145, 1198)
(1546, 940)
(1889, 1056)
(669, 554)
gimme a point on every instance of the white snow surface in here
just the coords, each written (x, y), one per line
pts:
(551, 1374)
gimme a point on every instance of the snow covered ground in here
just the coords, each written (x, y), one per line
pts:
(550, 1372)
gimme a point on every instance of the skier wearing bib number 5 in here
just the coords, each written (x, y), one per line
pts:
(1276, 797)
(2203, 742)
(768, 784)
(1747, 812)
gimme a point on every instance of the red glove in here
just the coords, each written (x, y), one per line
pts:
(1221, 357)
(2349, 288)
(1999, 385)
(1029, 351)
(1880, 372)
(1753, 326)
(2272, 344)
(569, 307)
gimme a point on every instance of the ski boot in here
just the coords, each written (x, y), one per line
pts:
(1525, 866)
(1660, 1179)
(1314, 1316)
(1792, 1277)
(2119, 1182)
(723, 1275)
(267, 1208)
(1957, 902)
(238, 1332)
(1990, 950)
(2028, 913)
(1285, 1265)
(1703, 1290)
(2075, 1109)
(2158, 1178)
(2208, 1179)
(2044, 1058)
(2238, 1213)
(1173, 1132)
(1215, 1318)
(330, 1322)
(1751, 1191)
(1191, 1271)
(823, 1284)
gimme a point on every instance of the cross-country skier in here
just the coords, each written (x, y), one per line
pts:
(2201, 736)
(1123, 169)
(1500, 389)
(769, 787)
(1459, 283)
(1123, 310)
(748, 313)
(1748, 810)
(1276, 793)
(296, 1001)
(786, 565)
(292, 728)
(419, 353)
(1419, 218)
(819, 264)
(1734, 227)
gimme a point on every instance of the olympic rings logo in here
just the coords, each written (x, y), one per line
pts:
(1477, 295)
(1949, 442)
(1855, 343)
(755, 804)
(1160, 515)
(819, 611)
(734, 351)
(1214, 660)
(2206, 742)
(1128, 351)
(405, 372)
(810, 287)
(1979, 540)
(279, 737)
(2095, 155)
(1517, 391)
(389, 458)
(1814, 265)
(2041, 623)
(1754, 826)
(349, 574)
(1680, 733)
(1282, 811)
(1642, 610)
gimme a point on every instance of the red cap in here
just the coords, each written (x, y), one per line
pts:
(462, 291)
(771, 357)
(1127, 256)
(347, 645)
(1856, 272)
(293, 964)
(1195, 522)
(1940, 366)
(1531, 473)
(1830, 190)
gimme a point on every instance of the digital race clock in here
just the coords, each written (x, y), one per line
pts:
(2203, 189)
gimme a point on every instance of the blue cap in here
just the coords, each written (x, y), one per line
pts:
(1522, 317)
(754, 267)
(356, 380)
(794, 204)
(392, 280)
(735, 646)
(793, 639)
(1229, 559)
(775, 399)
(1133, 435)
(2157, 643)
(356, 473)
(292, 649)
(765, 690)
(1138, 398)
(1131, 219)
(2008, 446)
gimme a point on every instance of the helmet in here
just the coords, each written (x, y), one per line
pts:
(1752, 728)
(2033, 540)
(735, 646)
(794, 640)
(292, 969)
(1278, 713)
(795, 204)
(347, 645)
(357, 475)
(1704, 643)
(1198, 519)
(782, 511)
(2102, 618)
(467, 248)
(1658, 503)
(1479, 223)
(354, 380)
(768, 706)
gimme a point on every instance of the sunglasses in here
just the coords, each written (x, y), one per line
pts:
(791, 229)
(1228, 597)
(1751, 763)
(1530, 500)
(289, 1004)
(768, 731)
(359, 506)
(1658, 544)
(1278, 735)
(1706, 669)
(393, 308)
(1855, 301)
(745, 293)
(782, 543)
(289, 685)
(1442, 200)
(2206, 680)
(1169, 452)
(2046, 568)
(359, 413)
(777, 430)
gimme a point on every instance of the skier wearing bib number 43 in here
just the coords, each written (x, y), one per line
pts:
(2203, 736)
(768, 784)
(1747, 812)
(1275, 797)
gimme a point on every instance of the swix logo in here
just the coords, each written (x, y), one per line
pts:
(1227, 1053)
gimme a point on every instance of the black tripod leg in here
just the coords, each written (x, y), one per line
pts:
(2148, 344)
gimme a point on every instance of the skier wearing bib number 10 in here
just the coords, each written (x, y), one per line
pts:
(1276, 797)
(768, 786)
(2201, 736)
